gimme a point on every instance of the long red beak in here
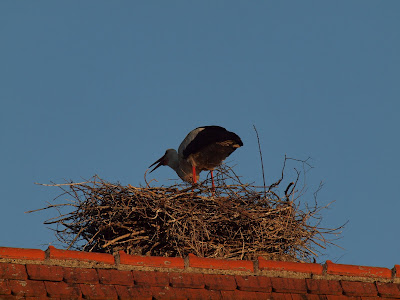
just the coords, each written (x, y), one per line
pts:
(161, 162)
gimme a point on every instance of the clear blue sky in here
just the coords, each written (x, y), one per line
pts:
(104, 87)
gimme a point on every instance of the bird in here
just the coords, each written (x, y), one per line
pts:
(204, 148)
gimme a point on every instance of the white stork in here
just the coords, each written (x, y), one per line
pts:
(204, 148)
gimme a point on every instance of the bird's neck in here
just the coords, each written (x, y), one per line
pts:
(173, 162)
(181, 166)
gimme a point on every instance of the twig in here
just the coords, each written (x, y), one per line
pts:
(262, 164)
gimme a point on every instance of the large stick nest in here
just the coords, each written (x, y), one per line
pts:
(237, 220)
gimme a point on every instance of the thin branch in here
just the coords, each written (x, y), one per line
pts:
(262, 164)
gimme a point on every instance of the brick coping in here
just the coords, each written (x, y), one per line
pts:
(194, 264)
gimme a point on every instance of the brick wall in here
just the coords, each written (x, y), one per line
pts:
(62, 274)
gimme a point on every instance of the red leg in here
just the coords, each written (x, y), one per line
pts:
(212, 180)
(194, 175)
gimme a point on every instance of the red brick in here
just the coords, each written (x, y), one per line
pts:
(341, 297)
(98, 291)
(245, 295)
(354, 288)
(164, 293)
(110, 276)
(289, 285)
(324, 287)
(80, 275)
(55, 253)
(284, 296)
(220, 282)
(313, 297)
(47, 298)
(43, 272)
(220, 264)
(396, 270)
(200, 294)
(147, 278)
(388, 289)
(280, 296)
(151, 261)
(137, 293)
(19, 253)
(362, 271)
(12, 271)
(299, 296)
(254, 283)
(187, 280)
(27, 288)
(271, 265)
(4, 288)
(11, 297)
(62, 289)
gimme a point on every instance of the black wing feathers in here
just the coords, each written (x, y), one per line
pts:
(210, 135)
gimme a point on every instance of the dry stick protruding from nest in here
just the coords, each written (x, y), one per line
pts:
(262, 163)
(239, 221)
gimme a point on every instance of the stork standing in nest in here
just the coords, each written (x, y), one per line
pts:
(204, 148)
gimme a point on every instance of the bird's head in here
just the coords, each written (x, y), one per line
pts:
(167, 158)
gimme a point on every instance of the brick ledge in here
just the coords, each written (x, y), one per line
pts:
(194, 264)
